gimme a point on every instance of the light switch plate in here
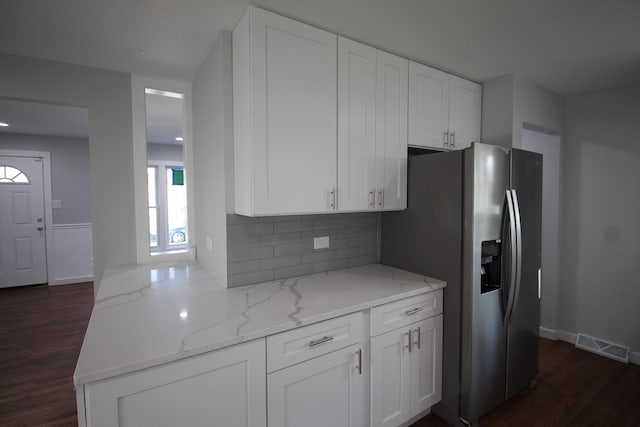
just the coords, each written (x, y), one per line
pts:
(209, 243)
(321, 242)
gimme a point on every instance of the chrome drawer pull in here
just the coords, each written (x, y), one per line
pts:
(326, 338)
(418, 333)
(413, 311)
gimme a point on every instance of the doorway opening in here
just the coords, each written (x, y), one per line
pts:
(45, 192)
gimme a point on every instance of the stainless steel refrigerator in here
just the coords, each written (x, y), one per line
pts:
(474, 219)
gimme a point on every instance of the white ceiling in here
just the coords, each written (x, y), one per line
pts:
(43, 119)
(163, 119)
(569, 46)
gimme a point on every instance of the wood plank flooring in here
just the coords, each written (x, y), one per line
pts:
(575, 388)
(41, 332)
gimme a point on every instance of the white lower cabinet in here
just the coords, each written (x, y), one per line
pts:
(406, 372)
(223, 388)
(325, 391)
(324, 374)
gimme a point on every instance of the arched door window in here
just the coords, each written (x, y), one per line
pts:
(11, 175)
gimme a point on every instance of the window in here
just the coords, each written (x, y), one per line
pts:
(11, 175)
(167, 206)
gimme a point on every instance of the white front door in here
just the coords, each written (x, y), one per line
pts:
(23, 259)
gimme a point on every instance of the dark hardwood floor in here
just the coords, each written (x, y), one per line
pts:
(574, 388)
(41, 331)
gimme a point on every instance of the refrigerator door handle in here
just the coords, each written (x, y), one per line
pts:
(512, 257)
(518, 224)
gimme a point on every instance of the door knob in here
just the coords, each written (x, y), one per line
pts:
(40, 228)
(39, 219)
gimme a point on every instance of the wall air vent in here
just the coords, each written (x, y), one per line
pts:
(603, 348)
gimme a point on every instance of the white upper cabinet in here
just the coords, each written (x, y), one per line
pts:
(357, 180)
(465, 106)
(372, 128)
(285, 113)
(444, 110)
(391, 131)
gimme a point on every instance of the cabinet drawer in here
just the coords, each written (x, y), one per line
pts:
(397, 314)
(298, 345)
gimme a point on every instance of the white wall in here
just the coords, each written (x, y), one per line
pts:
(212, 147)
(511, 103)
(165, 152)
(600, 288)
(70, 175)
(107, 95)
(497, 111)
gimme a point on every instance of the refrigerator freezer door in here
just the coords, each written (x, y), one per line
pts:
(483, 340)
(522, 337)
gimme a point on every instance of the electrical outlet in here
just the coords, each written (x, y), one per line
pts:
(321, 242)
(209, 243)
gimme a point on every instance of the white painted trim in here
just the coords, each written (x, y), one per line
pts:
(48, 211)
(72, 280)
(79, 225)
(138, 85)
(566, 336)
(547, 333)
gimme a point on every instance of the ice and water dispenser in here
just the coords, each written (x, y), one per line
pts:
(491, 278)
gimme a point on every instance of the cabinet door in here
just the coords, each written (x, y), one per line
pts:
(326, 391)
(294, 115)
(390, 378)
(426, 365)
(464, 113)
(428, 107)
(356, 126)
(222, 388)
(391, 131)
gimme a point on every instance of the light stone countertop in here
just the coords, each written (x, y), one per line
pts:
(147, 315)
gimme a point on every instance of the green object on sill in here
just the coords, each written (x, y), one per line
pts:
(177, 176)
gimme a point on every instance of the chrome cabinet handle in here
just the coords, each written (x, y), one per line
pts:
(324, 339)
(453, 140)
(332, 198)
(419, 339)
(372, 198)
(413, 311)
(359, 361)
(445, 138)
(410, 342)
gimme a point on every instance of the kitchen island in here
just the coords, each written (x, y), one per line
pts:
(148, 317)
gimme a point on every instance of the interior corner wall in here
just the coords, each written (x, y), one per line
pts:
(600, 268)
(107, 94)
(212, 131)
(70, 173)
(536, 107)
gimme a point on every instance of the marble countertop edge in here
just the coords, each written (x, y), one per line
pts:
(93, 375)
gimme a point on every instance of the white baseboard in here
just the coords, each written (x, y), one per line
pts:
(549, 334)
(566, 336)
(71, 280)
(570, 337)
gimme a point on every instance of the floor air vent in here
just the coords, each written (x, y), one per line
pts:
(603, 348)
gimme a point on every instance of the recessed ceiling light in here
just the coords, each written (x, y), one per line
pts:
(3, 124)
(179, 138)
